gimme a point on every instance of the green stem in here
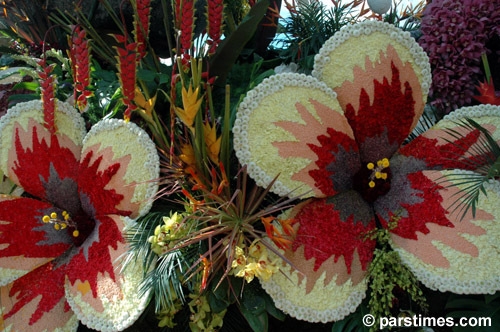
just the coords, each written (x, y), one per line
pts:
(486, 65)
(167, 28)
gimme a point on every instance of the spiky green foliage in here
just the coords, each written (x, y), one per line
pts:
(163, 275)
(387, 272)
(427, 120)
(226, 218)
(405, 16)
(309, 26)
(483, 156)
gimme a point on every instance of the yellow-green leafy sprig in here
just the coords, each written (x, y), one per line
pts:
(387, 271)
(202, 318)
(165, 235)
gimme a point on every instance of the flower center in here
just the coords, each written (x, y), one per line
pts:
(373, 180)
(79, 226)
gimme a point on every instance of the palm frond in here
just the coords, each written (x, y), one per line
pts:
(426, 121)
(482, 155)
(162, 274)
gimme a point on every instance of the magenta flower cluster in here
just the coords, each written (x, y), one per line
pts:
(454, 36)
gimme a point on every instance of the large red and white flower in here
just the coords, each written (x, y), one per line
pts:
(60, 244)
(337, 136)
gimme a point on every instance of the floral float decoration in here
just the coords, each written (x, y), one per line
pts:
(336, 137)
(59, 247)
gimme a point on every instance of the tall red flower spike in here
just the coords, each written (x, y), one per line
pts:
(177, 20)
(47, 82)
(214, 22)
(80, 61)
(187, 23)
(127, 68)
(141, 23)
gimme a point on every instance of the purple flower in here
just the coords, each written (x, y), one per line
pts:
(455, 33)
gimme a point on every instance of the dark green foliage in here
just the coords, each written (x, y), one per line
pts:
(475, 307)
(307, 29)
(353, 322)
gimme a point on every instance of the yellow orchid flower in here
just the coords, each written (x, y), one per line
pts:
(191, 105)
(213, 143)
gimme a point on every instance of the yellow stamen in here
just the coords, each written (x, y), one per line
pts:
(66, 217)
(384, 176)
(53, 215)
(385, 162)
(63, 226)
(64, 213)
(371, 184)
(46, 219)
(57, 226)
(370, 166)
(379, 163)
(76, 233)
(378, 175)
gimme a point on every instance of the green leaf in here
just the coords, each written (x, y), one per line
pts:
(252, 300)
(26, 85)
(258, 323)
(271, 308)
(104, 75)
(230, 48)
(23, 97)
(474, 306)
(164, 78)
(353, 322)
(7, 50)
(221, 292)
(146, 75)
(216, 305)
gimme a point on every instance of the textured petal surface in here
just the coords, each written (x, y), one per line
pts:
(36, 302)
(100, 296)
(445, 252)
(381, 76)
(26, 242)
(118, 168)
(332, 257)
(292, 125)
(39, 162)
(439, 149)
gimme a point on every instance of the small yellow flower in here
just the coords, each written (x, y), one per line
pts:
(191, 105)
